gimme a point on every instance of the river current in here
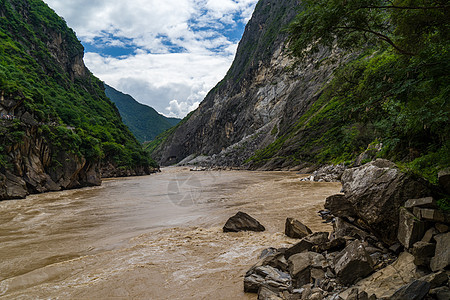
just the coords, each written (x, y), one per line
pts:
(152, 237)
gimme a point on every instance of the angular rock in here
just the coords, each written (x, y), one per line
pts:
(301, 264)
(410, 229)
(265, 293)
(386, 281)
(436, 279)
(339, 206)
(440, 293)
(429, 214)
(429, 235)
(343, 229)
(334, 245)
(296, 229)
(427, 202)
(444, 179)
(242, 222)
(252, 283)
(307, 243)
(396, 248)
(415, 290)
(442, 228)
(376, 191)
(442, 256)
(423, 252)
(353, 263)
(265, 275)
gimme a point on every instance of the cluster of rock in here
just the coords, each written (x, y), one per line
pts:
(389, 241)
(328, 173)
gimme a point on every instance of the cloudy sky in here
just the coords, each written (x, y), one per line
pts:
(167, 54)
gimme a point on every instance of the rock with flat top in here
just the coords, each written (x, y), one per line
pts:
(427, 202)
(429, 214)
(353, 263)
(296, 229)
(423, 252)
(242, 222)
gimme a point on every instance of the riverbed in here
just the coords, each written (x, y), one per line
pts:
(151, 237)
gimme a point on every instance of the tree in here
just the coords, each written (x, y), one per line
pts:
(406, 25)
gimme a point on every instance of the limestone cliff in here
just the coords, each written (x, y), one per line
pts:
(263, 94)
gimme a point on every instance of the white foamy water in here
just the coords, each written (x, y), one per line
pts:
(152, 237)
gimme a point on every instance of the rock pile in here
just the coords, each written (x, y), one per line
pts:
(388, 242)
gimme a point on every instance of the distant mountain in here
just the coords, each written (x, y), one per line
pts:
(143, 121)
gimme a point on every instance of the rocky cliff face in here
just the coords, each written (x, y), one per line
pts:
(58, 130)
(262, 95)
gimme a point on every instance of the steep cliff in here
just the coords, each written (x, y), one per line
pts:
(274, 110)
(263, 93)
(58, 128)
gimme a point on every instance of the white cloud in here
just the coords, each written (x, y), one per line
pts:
(197, 30)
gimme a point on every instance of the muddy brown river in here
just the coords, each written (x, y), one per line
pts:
(152, 237)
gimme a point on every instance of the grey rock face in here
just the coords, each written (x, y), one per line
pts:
(442, 257)
(296, 229)
(263, 94)
(242, 222)
(376, 191)
(353, 263)
(410, 229)
(307, 243)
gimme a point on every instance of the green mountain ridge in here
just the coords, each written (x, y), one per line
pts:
(58, 129)
(143, 121)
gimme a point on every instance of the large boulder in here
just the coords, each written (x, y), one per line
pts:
(296, 229)
(377, 190)
(265, 275)
(242, 222)
(353, 263)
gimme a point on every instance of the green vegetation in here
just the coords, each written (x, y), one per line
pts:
(143, 121)
(395, 92)
(161, 138)
(41, 65)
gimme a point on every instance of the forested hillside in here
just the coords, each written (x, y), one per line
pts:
(143, 121)
(58, 128)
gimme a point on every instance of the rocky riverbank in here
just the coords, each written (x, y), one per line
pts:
(389, 241)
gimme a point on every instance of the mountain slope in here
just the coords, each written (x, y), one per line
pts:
(263, 93)
(144, 122)
(273, 110)
(58, 129)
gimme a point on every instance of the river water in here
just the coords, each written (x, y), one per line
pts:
(152, 237)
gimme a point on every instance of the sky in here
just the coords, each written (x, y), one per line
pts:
(166, 54)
